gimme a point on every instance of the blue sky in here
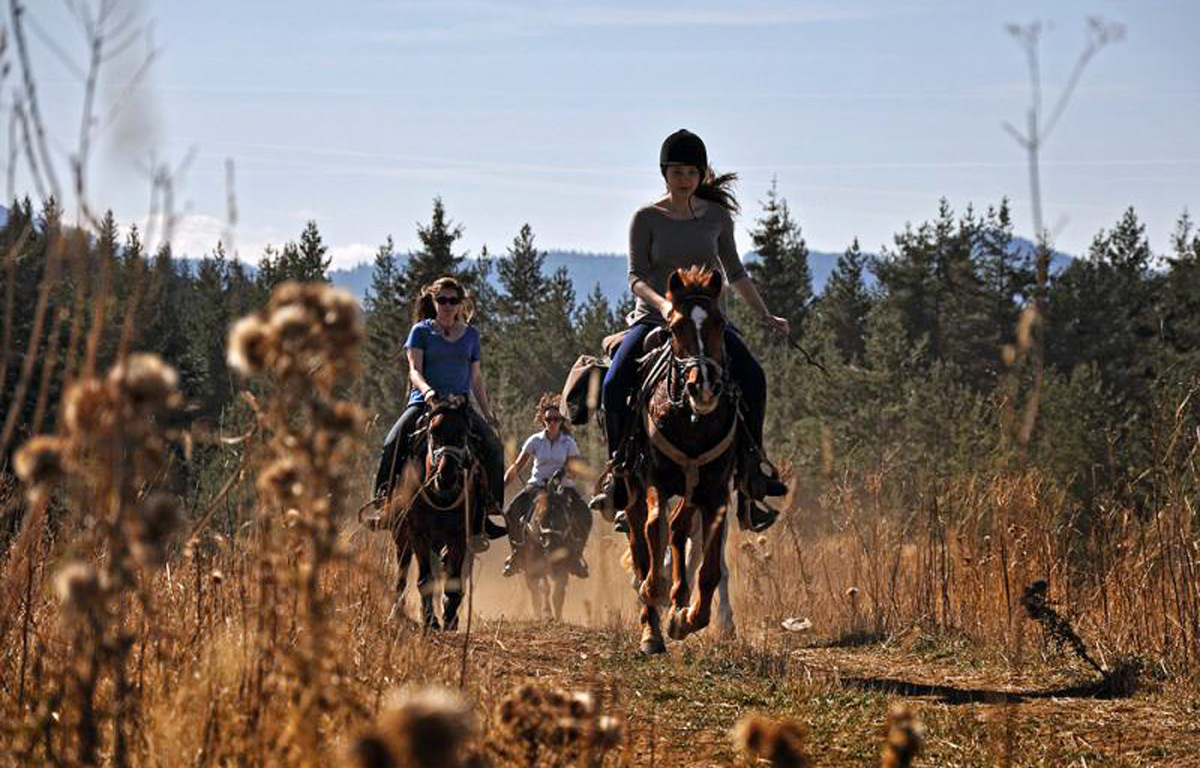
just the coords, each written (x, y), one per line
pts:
(358, 113)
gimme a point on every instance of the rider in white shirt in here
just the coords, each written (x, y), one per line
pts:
(551, 450)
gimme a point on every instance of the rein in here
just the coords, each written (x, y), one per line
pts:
(463, 456)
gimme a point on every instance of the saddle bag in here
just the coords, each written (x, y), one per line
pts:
(581, 392)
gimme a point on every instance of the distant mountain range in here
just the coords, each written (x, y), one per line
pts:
(609, 271)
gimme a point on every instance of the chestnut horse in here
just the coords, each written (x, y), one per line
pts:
(691, 424)
(432, 523)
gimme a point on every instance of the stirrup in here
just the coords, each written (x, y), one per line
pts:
(753, 516)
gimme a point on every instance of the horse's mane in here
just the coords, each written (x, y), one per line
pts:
(691, 281)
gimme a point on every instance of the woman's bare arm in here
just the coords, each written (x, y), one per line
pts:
(416, 370)
(516, 467)
(480, 390)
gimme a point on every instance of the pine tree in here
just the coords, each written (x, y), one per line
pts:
(1180, 301)
(781, 272)
(1006, 275)
(594, 320)
(522, 282)
(387, 322)
(436, 258)
(306, 261)
(846, 302)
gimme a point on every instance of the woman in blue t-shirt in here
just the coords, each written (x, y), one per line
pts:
(444, 359)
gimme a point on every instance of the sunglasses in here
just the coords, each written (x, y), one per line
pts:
(451, 300)
(553, 418)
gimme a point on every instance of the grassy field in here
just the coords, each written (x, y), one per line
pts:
(134, 632)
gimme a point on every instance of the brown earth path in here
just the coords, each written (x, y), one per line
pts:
(679, 709)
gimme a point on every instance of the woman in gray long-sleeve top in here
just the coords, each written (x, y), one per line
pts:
(692, 225)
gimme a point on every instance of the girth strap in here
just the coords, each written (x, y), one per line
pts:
(689, 465)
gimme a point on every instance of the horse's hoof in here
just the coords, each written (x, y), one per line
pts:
(653, 646)
(677, 625)
(432, 625)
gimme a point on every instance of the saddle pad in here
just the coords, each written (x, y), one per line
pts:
(581, 392)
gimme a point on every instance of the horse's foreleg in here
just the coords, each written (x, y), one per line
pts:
(725, 612)
(653, 591)
(404, 555)
(426, 584)
(638, 551)
(654, 586)
(681, 526)
(560, 592)
(454, 563)
(710, 571)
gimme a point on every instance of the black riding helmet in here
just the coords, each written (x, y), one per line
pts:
(683, 148)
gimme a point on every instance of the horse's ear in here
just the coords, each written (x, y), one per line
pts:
(715, 283)
(675, 284)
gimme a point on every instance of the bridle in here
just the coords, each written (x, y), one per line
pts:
(466, 469)
(678, 367)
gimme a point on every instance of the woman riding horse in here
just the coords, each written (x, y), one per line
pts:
(691, 225)
(551, 450)
(444, 358)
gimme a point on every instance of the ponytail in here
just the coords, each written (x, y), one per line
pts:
(719, 189)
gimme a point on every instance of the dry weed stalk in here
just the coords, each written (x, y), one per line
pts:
(113, 451)
(544, 722)
(428, 728)
(905, 736)
(301, 347)
(765, 741)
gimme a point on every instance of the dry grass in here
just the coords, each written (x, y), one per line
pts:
(124, 645)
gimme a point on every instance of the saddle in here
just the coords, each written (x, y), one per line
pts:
(581, 391)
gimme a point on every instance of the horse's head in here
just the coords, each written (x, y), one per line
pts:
(449, 457)
(697, 329)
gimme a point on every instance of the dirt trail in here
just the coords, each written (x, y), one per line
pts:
(681, 707)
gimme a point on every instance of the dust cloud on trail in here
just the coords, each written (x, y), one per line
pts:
(595, 601)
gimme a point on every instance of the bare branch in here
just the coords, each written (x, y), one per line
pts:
(1016, 134)
(231, 211)
(34, 112)
(127, 91)
(52, 45)
(1100, 35)
(27, 141)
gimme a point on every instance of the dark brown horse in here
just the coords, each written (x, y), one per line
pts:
(430, 521)
(547, 548)
(691, 426)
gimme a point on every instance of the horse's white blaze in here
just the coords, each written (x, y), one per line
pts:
(698, 317)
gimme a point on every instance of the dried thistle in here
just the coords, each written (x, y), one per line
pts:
(158, 517)
(905, 736)
(425, 729)
(535, 716)
(80, 588)
(250, 342)
(40, 460)
(778, 742)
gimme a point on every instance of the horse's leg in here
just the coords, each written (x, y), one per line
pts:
(638, 551)
(560, 592)
(710, 571)
(426, 582)
(654, 586)
(404, 555)
(725, 611)
(453, 563)
(531, 583)
(681, 528)
(654, 590)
